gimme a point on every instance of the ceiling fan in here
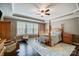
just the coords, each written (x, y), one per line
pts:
(43, 11)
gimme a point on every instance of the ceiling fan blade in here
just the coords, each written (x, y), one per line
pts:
(47, 10)
(47, 14)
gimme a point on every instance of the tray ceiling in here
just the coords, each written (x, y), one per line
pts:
(31, 9)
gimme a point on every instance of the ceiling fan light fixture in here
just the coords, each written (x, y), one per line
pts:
(42, 14)
(44, 11)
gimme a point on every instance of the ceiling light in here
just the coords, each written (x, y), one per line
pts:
(42, 14)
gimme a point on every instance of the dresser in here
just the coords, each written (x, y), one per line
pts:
(5, 29)
(67, 38)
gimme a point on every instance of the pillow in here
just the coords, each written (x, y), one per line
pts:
(56, 33)
(25, 37)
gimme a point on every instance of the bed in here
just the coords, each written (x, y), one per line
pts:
(57, 48)
(60, 49)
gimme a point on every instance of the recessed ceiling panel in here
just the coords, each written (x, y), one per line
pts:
(32, 9)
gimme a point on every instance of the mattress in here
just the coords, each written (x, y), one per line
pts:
(61, 49)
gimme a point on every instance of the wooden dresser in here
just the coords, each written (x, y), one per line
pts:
(5, 29)
(67, 38)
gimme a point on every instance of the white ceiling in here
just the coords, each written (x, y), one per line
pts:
(31, 9)
(6, 8)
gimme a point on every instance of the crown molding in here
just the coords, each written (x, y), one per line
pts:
(65, 18)
(65, 14)
(24, 16)
(23, 19)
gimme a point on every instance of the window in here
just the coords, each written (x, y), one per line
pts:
(35, 28)
(20, 28)
(26, 28)
(29, 28)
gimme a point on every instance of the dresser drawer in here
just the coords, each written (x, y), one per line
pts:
(67, 38)
(67, 34)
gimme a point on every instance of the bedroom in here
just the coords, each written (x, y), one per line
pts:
(34, 29)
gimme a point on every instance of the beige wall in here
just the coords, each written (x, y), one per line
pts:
(70, 25)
